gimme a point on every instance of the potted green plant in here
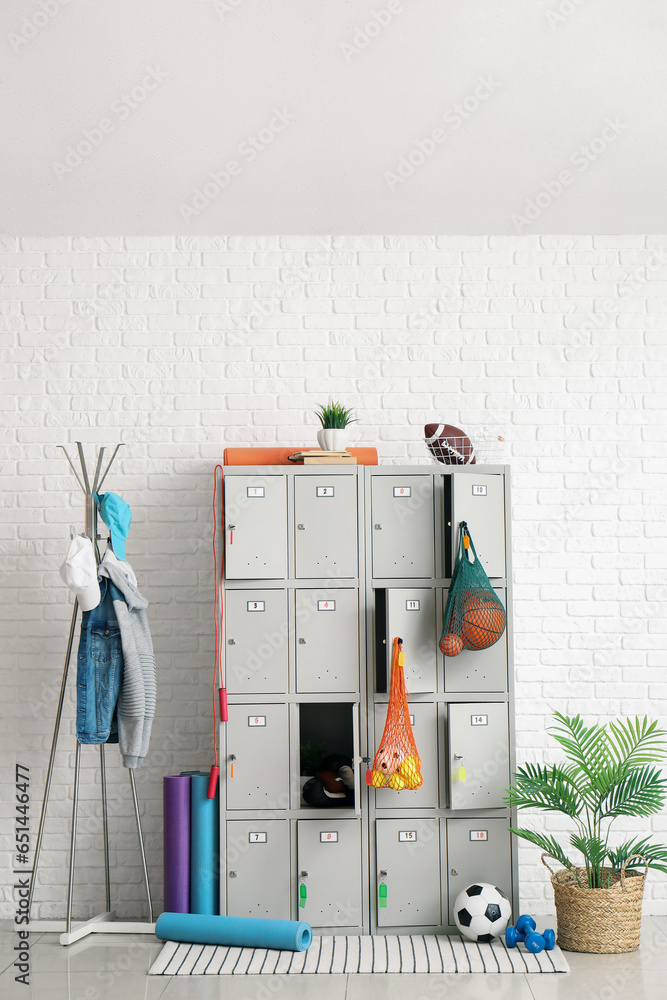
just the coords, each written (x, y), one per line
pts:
(334, 418)
(609, 772)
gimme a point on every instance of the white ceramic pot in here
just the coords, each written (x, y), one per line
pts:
(332, 439)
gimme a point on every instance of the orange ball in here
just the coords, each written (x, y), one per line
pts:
(483, 620)
(451, 645)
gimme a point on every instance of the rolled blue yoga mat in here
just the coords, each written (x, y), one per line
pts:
(204, 846)
(242, 932)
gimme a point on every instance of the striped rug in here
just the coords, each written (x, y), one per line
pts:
(410, 953)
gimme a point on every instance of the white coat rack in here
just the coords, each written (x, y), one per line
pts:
(103, 923)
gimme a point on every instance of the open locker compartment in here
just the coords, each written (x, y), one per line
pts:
(328, 733)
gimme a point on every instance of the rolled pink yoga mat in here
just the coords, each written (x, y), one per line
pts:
(176, 834)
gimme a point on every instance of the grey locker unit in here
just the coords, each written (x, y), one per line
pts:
(258, 868)
(327, 640)
(478, 850)
(480, 669)
(255, 527)
(402, 526)
(329, 860)
(257, 737)
(424, 720)
(479, 500)
(411, 615)
(256, 641)
(325, 511)
(382, 527)
(408, 863)
(478, 742)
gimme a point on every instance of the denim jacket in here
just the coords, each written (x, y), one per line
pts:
(99, 672)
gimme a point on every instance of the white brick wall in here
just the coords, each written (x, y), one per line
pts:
(180, 346)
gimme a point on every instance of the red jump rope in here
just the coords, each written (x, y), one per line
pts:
(217, 611)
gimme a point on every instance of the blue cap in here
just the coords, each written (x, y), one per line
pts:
(117, 515)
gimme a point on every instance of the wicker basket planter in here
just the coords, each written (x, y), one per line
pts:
(598, 920)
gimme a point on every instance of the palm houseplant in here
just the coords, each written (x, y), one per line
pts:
(334, 418)
(610, 771)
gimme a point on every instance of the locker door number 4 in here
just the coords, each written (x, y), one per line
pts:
(326, 605)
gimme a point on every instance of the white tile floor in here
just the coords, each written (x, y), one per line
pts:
(108, 967)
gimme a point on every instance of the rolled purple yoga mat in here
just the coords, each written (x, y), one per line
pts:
(176, 835)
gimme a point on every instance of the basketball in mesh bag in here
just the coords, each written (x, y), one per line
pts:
(397, 763)
(474, 615)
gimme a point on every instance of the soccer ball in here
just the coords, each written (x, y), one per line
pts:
(481, 912)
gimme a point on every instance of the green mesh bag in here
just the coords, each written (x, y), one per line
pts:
(474, 616)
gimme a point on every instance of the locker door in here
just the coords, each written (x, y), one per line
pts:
(257, 735)
(325, 511)
(258, 869)
(408, 864)
(329, 853)
(411, 615)
(425, 728)
(327, 645)
(481, 669)
(256, 641)
(478, 755)
(402, 526)
(478, 850)
(480, 501)
(255, 527)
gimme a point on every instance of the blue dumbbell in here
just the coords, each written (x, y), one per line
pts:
(525, 924)
(534, 942)
(513, 937)
(549, 939)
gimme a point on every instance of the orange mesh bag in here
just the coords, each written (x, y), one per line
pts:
(397, 764)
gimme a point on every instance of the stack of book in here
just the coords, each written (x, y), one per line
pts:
(318, 457)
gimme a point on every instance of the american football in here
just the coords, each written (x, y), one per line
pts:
(450, 445)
